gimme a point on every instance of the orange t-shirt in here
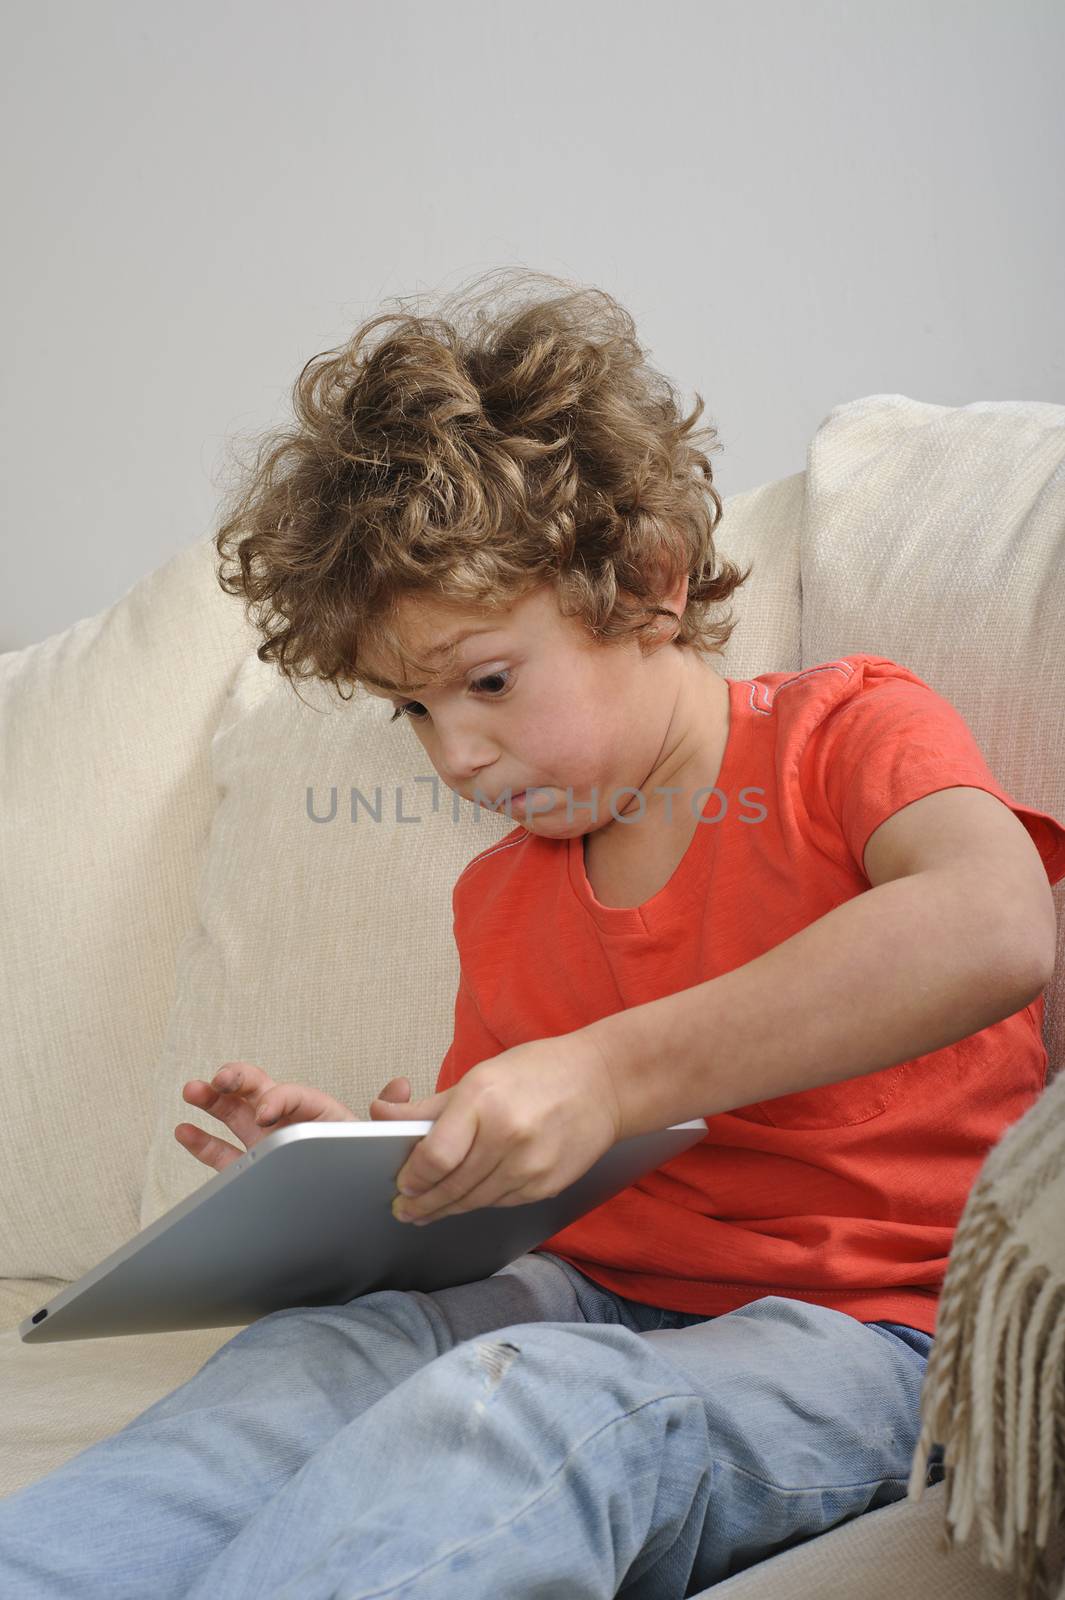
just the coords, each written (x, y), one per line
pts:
(846, 1195)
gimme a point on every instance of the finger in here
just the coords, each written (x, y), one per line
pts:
(232, 1109)
(412, 1111)
(420, 1172)
(226, 1087)
(216, 1153)
(382, 1110)
(397, 1091)
(491, 1191)
(285, 1100)
(243, 1078)
(446, 1164)
(399, 1108)
(304, 1102)
(242, 1085)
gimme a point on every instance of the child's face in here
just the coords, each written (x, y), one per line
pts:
(536, 704)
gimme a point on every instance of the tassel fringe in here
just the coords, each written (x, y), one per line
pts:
(994, 1391)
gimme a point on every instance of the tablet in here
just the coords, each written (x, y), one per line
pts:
(304, 1218)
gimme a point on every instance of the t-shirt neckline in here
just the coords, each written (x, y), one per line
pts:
(685, 890)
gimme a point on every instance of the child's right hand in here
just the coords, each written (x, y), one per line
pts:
(240, 1093)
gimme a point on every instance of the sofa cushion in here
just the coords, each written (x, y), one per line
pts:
(61, 1398)
(877, 1556)
(935, 535)
(107, 806)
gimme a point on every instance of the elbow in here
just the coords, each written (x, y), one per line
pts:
(1034, 973)
(1029, 944)
(1044, 956)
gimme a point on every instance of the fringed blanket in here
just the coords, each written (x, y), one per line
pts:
(994, 1389)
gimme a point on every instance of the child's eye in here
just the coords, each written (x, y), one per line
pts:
(491, 677)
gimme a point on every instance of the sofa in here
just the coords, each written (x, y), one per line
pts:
(170, 903)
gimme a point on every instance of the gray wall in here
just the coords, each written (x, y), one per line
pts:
(799, 202)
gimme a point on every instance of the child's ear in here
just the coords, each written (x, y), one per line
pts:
(674, 596)
(677, 599)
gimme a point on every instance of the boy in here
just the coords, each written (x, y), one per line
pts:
(842, 973)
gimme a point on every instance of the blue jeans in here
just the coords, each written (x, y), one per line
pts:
(528, 1435)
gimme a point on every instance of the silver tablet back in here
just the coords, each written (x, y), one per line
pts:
(304, 1218)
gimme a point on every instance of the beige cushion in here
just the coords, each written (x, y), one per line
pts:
(61, 1398)
(323, 951)
(107, 804)
(894, 1551)
(935, 535)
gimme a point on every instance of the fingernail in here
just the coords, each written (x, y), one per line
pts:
(405, 1188)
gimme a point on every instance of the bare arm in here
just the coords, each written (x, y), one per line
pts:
(907, 967)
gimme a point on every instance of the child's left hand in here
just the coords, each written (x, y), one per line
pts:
(518, 1127)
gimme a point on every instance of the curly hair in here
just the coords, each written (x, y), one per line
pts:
(469, 457)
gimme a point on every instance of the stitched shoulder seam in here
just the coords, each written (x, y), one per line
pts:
(487, 855)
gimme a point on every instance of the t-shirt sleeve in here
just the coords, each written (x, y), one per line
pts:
(891, 741)
(471, 1042)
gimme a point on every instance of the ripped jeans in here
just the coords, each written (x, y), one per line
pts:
(527, 1435)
